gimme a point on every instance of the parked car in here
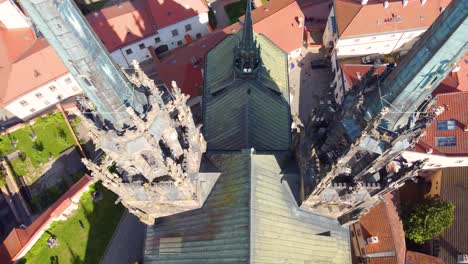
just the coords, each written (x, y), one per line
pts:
(373, 59)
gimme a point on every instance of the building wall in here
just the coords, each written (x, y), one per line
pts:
(328, 33)
(198, 23)
(379, 43)
(436, 161)
(11, 16)
(65, 85)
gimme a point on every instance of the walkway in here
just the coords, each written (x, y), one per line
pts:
(220, 13)
(126, 245)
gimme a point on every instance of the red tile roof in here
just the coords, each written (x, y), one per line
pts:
(355, 19)
(281, 26)
(384, 222)
(123, 23)
(126, 22)
(456, 109)
(19, 238)
(352, 71)
(168, 12)
(38, 65)
(178, 66)
(419, 258)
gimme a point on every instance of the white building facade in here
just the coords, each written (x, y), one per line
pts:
(167, 38)
(44, 97)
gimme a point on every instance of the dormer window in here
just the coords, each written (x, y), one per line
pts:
(446, 125)
(446, 141)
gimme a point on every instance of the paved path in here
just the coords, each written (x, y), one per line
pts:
(220, 13)
(126, 245)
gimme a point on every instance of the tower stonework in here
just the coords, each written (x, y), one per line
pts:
(349, 162)
(153, 149)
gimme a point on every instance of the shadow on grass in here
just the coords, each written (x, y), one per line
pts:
(83, 237)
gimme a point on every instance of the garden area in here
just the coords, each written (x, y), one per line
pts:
(235, 10)
(36, 144)
(84, 236)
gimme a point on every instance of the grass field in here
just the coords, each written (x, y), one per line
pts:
(76, 244)
(235, 10)
(52, 138)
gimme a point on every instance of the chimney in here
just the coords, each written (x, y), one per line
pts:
(300, 21)
(405, 2)
(364, 2)
(385, 4)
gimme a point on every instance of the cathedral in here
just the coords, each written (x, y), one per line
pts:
(244, 187)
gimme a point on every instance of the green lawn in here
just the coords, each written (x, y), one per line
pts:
(265, 1)
(53, 138)
(235, 10)
(77, 245)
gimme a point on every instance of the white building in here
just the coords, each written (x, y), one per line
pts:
(32, 76)
(129, 28)
(361, 27)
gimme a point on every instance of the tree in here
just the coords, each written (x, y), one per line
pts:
(428, 219)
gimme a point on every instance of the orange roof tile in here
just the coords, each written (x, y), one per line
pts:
(126, 22)
(178, 66)
(282, 26)
(168, 12)
(384, 222)
(355, 19)
(352, 71)
(37, 66)
(419, 258)
(122, 24)
(19, 238)
(455, 104)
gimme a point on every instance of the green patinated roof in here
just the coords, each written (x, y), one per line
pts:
(244, 113)
(251, 216)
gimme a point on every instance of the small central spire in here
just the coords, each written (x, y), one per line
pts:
(247, 56)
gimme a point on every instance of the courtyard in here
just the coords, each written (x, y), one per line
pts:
(84, 236)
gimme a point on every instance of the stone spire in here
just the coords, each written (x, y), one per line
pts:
(247, 56)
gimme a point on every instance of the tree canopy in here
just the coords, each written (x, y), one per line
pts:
(428, 219)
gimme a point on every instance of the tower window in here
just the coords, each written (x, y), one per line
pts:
(142, 46)
(175, 33)
(446, 141)
(446, 125)
(128, 51)
(188, 27)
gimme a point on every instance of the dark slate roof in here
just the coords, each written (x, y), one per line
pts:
(245, 113)
(250, 217)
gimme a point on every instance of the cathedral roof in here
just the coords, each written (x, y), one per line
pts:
(251, 216)
(243, 113)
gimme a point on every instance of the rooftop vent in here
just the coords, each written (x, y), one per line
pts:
(36, 73)
(372, 240)
(405, 2)
(364, 2)
(429, 151)
(358, 75)
(385, 4)
(423, 2)
(119, 6)
(266, 9)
